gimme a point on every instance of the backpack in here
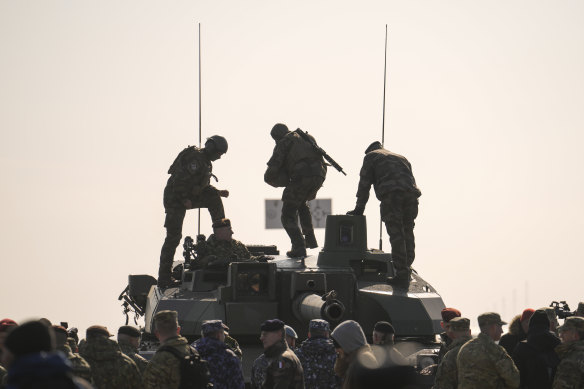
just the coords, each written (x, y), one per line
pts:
(194, 373)
(180, 158)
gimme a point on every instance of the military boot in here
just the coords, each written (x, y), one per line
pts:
(297, 251)
(310, 240)
(298, 244)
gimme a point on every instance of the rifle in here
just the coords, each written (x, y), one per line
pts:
(304, 135)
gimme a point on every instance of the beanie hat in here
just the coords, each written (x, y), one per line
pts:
(349, 335)
(29, 338)
(526, 315)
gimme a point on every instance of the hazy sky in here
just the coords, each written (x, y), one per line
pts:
(485, 98)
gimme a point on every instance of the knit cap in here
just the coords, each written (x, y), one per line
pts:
(349, 335)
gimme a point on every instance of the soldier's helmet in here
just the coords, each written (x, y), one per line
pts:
(216, 144)
(279, 131)
(373, 146)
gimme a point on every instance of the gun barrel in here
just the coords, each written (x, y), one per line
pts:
(311, 306)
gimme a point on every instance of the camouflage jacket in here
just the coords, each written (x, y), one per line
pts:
(110, 368)
(163, 370)
(446, 374)
(224, 366)
(387, 172)
(296, 157)
(131, 351)
(225, 250)
(278, 369)
(483, 364)
(570, 373)
(190, 174)
(317, 356)
(79, 365)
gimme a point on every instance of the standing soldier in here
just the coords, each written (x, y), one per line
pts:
(129, 341)
(395, 187)
(570, 373)
(317, 356)
(483, 364)
(446, 375)
(189, 187)
(297, 165)
(164, 369)
(79, 365)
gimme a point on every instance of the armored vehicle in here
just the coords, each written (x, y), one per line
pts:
(345, 281)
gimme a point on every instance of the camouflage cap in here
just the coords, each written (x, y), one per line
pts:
(449, 314)
(459, 324)
(573, 323)
(490, 318)
(222, 223)
(290, 332)
(212, 326)
(166, 316)
(130, 331)
(272, 325)
(96, 331)
(319, 324)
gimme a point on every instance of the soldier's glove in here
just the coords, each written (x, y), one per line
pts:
(356, 212)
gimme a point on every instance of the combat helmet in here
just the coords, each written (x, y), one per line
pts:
(373, 146)
(216, 144)
(279, 131)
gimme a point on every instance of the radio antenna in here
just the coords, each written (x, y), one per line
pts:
(199, 209)
(383, 127)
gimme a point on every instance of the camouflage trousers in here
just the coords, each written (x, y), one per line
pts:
(174, 224)
(398, 212)
(299, 191)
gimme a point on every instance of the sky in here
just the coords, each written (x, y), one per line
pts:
(484, 98)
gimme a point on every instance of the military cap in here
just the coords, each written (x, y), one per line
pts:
(527, 313)
(168, 316)
(290, 332)
(573, 323)
(449, 314)
(319, 324)
(130, 331)
(490, 318)
(60, 329)
(6, 324)
(222, 223)
(97, 330)
(580, 310)
(459, 324)
(272, 325)
(384, 327)
(211, 326)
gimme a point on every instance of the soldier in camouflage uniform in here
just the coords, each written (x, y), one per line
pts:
(570, 373)
(224, 365)
(189, 187)
(80, 367)
(395, 187)
(110, 368)
(483, 364)
(317, 356)
(163, 370)
(279, 367)
(129, 341)
(296, 165)
(447, 373)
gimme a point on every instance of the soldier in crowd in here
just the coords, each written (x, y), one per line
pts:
(189, 187)
(447, 373)
(570, 373)
(278, 366)
(79, 365)
(395, 187)
(517, 331)
(317, 356)
(5, 326)
(224, 365)
(73, 339)
(483, 364)
(110, 368)
(535, 358)
(291, 337)
(384, 336)
(32, 361)
(298, 166)
(445, 337)
(164, 369)
(129, 341)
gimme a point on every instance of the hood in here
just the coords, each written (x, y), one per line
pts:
(100, 349)
(39, 365)
(209, 346)
(349, 335)
(543, 339)
(515, 327)
(317, 346)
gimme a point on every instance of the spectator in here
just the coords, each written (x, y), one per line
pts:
(517, 331)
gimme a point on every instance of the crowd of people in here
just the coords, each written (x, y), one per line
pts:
(536, 352)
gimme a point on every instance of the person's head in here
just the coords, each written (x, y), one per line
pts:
(222, 229)
(447, 315)
(272, 332)
(291, 336)
(166, 325)
(383, 333)
(279, 131)
(524, 320)
(61, 335)
(215, 147)
(554, 324)
(29, 338)
(319, 328)
(491, 324)
(539, 322)
(580, 310)
(129, 335)
(572, 330)
(373, 146)
(348, 337)
(97, 332)
(459, 327)
(213, 329)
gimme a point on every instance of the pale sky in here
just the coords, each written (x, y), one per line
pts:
(485, 99)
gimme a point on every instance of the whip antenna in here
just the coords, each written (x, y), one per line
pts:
(383, 126)
(199, 209)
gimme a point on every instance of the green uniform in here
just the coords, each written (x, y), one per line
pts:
(570, 373)
(278, 369)
(163, 370)
(225, 250)
(79, 365)
(446, 374)
(110, 368)
(483, 364)
(131, 351)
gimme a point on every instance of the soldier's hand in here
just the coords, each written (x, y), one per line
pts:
(355, 212)
(188, 204)
(224, 193)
